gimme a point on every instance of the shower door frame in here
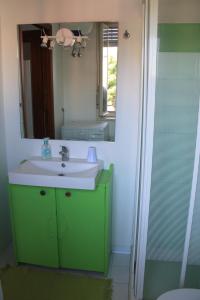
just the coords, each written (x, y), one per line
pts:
(147, 134)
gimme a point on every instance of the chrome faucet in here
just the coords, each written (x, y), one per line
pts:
(64, 153)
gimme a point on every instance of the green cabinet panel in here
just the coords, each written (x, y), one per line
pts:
(34, 225)
(81, 228)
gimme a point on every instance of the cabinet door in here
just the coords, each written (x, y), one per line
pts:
(34, 225)
(81, 222)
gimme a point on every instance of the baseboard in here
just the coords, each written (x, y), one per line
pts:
(121, 250)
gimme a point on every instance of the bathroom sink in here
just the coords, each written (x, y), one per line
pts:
(75, 173)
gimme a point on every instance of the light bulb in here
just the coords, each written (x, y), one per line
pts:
(79, 39)
(52, 44)
(44, 41)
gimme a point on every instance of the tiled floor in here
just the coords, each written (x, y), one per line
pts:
(119, 272)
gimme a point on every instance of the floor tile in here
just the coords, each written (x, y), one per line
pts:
(120, 274)
(120, 259)
(120, 291)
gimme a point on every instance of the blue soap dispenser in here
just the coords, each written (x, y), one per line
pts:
(46, 149)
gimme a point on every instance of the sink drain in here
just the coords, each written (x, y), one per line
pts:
(61, 174)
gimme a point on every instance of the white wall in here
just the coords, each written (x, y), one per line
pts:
(179, 11)
(4, 211)
(80, 82)
(58, 94)
(123, 151)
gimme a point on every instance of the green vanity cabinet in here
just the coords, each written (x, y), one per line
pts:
(66, 228)
(34, 225)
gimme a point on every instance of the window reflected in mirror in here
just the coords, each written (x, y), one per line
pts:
(68, 80)
(109, 38)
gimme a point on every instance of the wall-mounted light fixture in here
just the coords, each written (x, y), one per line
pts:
(66, 38)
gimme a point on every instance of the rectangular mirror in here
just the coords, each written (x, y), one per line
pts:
(68, 80)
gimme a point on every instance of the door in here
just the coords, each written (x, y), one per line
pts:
(81, 221)
(34, 225)
(37, 96)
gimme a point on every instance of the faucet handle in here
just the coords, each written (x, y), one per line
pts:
(64, 153)
(64, 149)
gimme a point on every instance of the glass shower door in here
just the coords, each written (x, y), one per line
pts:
(174, 143)
(192, 279)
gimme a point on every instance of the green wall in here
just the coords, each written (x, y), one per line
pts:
(179, 37)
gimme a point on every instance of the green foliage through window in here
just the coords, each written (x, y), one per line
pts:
(112, 82)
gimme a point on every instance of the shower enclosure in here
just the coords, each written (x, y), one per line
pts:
(167, 251)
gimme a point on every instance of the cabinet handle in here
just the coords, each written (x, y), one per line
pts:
(68, 194)
(42, 193)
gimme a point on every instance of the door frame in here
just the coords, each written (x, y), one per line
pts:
(146, 148)
(140, 142)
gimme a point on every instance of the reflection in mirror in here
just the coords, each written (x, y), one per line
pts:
(68, 80)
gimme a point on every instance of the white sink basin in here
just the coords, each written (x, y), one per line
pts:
(75, 173)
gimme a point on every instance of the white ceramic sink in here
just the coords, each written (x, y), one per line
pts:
(75, 173)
